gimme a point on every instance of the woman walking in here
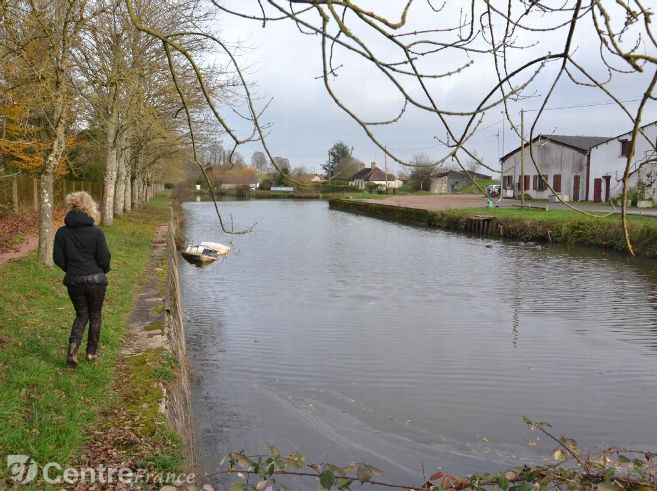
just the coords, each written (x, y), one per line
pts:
(81, 251)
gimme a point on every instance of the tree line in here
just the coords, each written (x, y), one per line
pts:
(86, 94)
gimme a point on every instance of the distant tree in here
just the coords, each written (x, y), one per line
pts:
(347, 167)
(266, 183)
(474, 163)
(280, 179)
(282, 163)
(421, 176)
(337, 152)
(259, 161)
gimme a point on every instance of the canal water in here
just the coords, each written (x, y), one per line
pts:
(354, 339)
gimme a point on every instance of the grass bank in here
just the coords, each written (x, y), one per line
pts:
(535, 225)
(48, 411)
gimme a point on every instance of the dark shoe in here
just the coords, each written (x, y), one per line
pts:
(72, 356)
(91, 357)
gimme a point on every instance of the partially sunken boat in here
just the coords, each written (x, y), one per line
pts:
(205, 252)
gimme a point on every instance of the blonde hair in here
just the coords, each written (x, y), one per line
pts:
(83, 202)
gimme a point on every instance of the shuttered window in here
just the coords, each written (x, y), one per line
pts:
(556, 183)
(625, 148)
(535, 183)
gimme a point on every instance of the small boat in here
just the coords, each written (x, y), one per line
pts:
(205, 252)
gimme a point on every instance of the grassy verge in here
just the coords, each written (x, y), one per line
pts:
(472, 189)
(47, 410)
(536, 225)
(561, 226)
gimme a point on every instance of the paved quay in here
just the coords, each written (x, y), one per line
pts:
(441, 202)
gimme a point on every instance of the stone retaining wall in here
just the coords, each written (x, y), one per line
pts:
(178, 398)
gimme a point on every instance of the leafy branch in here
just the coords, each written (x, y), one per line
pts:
(612, 469)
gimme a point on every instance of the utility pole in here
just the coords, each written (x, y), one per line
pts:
(522, 157)
(385, 165)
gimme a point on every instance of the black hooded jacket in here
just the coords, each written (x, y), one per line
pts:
(81, 250)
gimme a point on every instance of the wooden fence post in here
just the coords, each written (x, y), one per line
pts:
(14, 193)
(35, 194)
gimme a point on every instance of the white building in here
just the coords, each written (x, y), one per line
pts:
(609, 158)
(562, 161)
(374, 175)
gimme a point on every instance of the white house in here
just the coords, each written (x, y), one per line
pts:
(374, 175)
(562, 161)
(608, 160)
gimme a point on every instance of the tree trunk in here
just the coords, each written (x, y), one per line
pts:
(135, 192)
(127, 200)
(46, 180)
(109, 181)
(119, 190)
(45, 218)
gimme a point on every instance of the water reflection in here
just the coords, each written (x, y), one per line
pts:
(351, 339)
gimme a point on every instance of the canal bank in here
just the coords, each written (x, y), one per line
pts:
(526, 225)
(131, 408)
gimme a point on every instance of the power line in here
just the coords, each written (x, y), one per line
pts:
(574, 106)
(601, 103)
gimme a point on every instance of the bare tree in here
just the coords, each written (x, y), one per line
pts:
(259, 161)
(523, 44)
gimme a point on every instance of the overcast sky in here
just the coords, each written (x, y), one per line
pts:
(284, 65)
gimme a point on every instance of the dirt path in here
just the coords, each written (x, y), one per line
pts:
(20, 250)
(145, 322)
(28, 225)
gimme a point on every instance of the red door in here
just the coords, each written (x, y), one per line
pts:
(576, 188)
(597, 189)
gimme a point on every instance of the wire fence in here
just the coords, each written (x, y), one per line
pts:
(19, 193)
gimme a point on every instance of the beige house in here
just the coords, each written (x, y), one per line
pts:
(374, 175)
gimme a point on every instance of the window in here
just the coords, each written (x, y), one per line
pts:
(541, 182)
(625, 148)
(535, 183)
(524, 181)
(556, 183)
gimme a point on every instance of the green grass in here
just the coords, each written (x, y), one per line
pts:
(559, 226)
(472, 189)
(45, 408)
(552, 215)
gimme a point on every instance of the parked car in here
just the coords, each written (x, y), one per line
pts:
(493, 190)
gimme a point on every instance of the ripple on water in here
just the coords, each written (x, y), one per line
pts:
(425, 332)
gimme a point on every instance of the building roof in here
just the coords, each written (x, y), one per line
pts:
(582, 143)
(446, 172)
(628, 133)
(372, 174)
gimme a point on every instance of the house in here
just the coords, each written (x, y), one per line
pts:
(316, 178)
(450, 181)
(373, 176)
(563, 162)
(608, 160)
